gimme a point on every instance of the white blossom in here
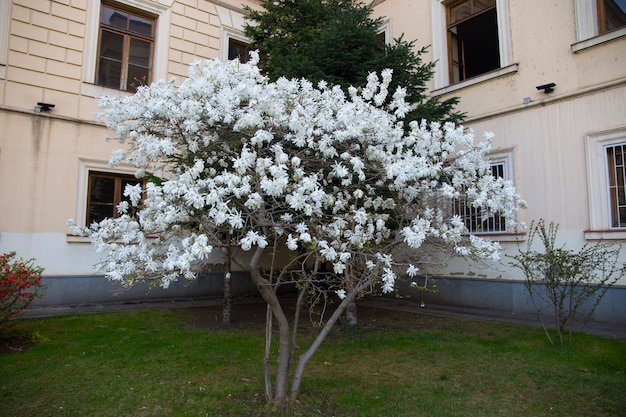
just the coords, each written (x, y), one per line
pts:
(292, 242)
(412, 270)
(339, 267)
(231, 158)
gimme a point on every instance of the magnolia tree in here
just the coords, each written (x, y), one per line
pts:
(290, 177)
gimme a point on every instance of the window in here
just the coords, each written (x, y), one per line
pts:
(125, 49)
(598, 21)
(473, 218)
(384, 36)
(106, 191)
(606, 176)
(238, 49)
(471, 42)
(234, 45)
(615, 178)
(99, 190)
(160, 12)
(611, 15)
(473, 46)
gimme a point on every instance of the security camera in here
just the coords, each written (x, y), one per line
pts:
(43, 107)
(547, 88)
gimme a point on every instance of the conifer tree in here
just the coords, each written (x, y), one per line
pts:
(340, 42)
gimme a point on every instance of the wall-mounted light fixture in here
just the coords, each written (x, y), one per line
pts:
(43, 107)
(547, 88)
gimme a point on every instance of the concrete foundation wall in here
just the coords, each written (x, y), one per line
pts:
(491, 294)
(93, 289)
(507, 296)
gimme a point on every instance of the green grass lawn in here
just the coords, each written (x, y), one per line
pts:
(158, 363)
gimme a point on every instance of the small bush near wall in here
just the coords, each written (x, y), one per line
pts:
(20, 282)
(571, 283)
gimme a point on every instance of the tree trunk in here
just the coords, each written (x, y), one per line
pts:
(306, 356)
(351, 315)
(268, 292)
(227, 305)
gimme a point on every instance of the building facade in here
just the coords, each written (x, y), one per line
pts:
(547, 77)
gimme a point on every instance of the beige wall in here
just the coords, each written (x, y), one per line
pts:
(48, 47)
(542, 34)
(550, 156)
(43, 155)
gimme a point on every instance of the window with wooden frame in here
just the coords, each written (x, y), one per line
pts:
(125, 48)
(238, 49)
(474, 219)
(616, 179)
(473, 43)
(611, 15)
(105, 192)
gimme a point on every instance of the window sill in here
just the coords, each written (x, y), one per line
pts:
(618, 234)
(502, 237)
(96, 91)
(77, 239)
(597, 40)
(85, 239)
(476, 80)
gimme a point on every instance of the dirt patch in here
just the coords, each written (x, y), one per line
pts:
(15, 343)
(251, 316)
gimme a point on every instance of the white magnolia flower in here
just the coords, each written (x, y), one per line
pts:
(339, 267)
(412, 271)
(292, 242)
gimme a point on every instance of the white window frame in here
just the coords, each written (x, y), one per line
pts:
(441, 78)
(85, 167)
(597, 184)
(587, 30)
(386, 29)
(506, 156)
(5, 21)
(159, 8)
(233, 24)
(227, 35)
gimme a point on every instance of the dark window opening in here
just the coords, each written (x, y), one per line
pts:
(611, 15)
(105, 193)
(238, 50)
(473, 42)
(125, 49)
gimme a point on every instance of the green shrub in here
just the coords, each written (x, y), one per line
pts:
(571, 283)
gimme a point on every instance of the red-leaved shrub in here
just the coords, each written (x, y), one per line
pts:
(20, 282)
